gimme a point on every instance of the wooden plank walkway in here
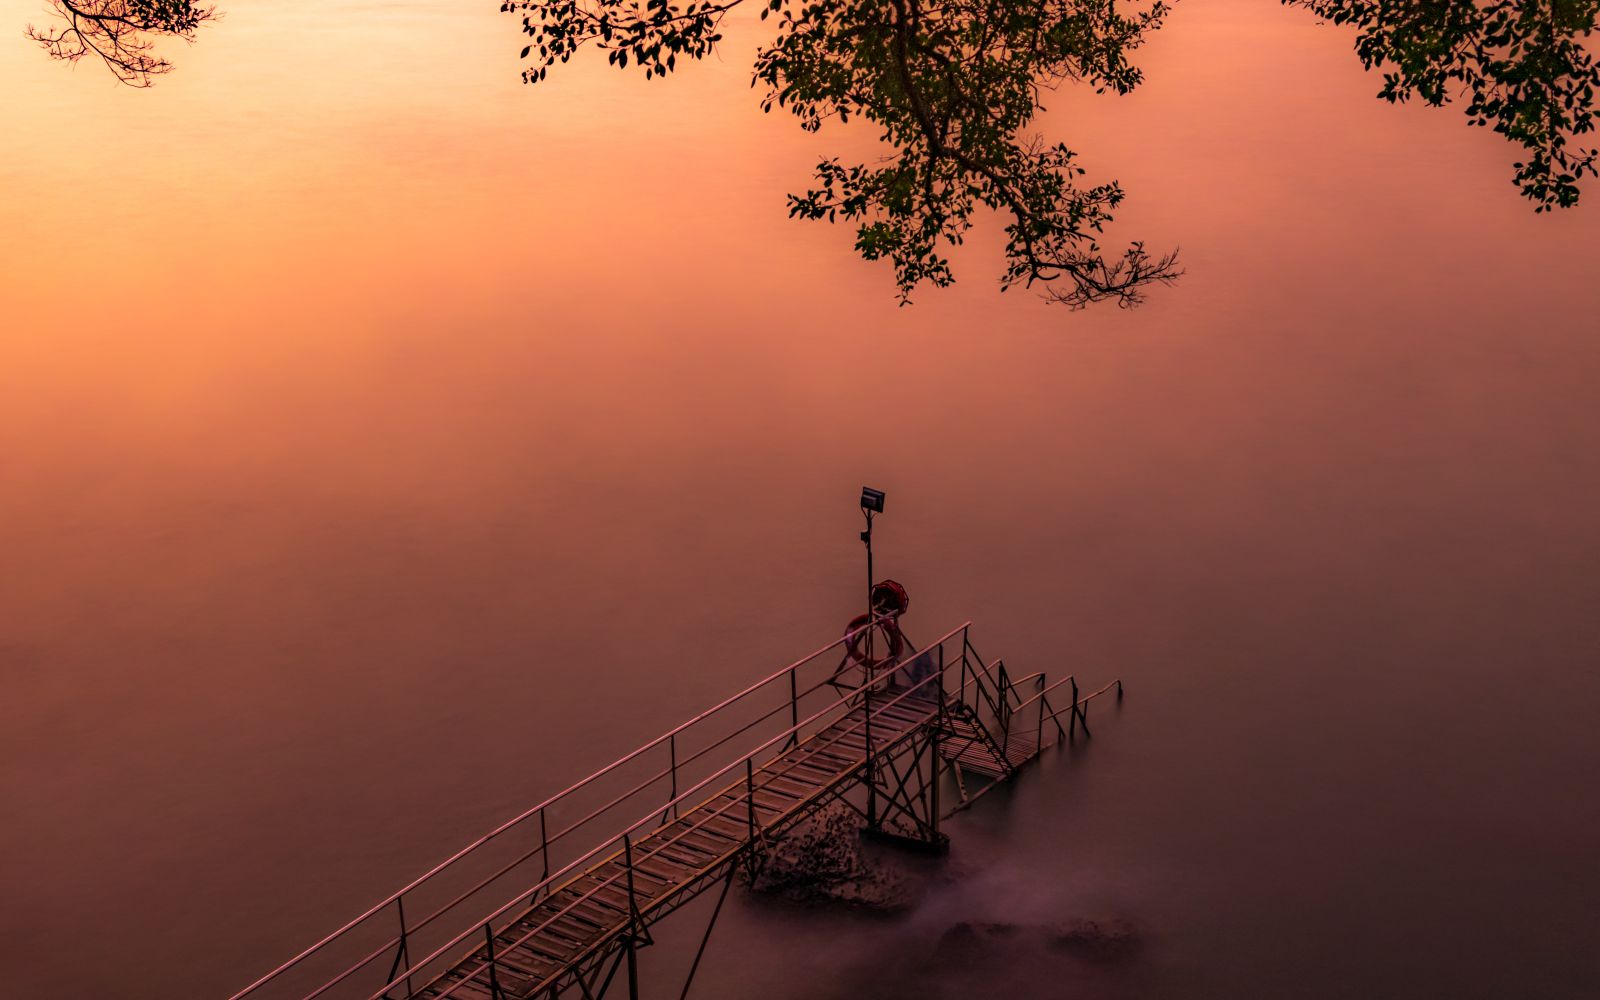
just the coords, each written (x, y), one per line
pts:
(971, 745)
(567, 933)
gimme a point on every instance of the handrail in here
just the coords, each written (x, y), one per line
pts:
(1000, 662)
(1038, 732)
(976, 679)
(1113, 684)
(1076, 714)
(747, 759)
(648, 817)
(532, 811)
(1002, 717)
(1091, 697)
(1046, 691)
(547, 841)
(987, 671)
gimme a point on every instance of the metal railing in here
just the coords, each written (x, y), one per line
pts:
(633, 860)
(1076, 710)
(406, 940)
(1000, 696)
(1001, 714)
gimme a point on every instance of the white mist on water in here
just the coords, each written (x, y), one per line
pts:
(386, 445)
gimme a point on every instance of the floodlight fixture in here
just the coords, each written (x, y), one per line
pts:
(871, 503)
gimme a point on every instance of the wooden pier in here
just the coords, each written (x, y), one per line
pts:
(559, 900)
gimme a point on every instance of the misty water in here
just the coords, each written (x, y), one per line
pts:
(385, 444)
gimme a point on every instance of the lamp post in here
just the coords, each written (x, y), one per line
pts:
(871, 503)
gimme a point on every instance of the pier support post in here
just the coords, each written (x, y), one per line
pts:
(903, 785)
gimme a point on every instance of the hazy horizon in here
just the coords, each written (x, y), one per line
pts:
(363, 410)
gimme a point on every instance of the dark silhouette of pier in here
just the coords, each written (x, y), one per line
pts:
(559, 900)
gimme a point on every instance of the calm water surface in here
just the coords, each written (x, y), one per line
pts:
(384, 444)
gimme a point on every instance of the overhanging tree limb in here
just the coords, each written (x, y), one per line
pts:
(954, 86)
(1525, 68)
(119, 33)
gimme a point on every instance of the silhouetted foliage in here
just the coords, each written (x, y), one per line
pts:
(1521, 67)
(953, 87)
(951, 84)
(120, 33)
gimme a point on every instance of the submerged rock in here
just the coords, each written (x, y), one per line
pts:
(970, 942)
(1097, 940)
(821, 861)
(971, 939)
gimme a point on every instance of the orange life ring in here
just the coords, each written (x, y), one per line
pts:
(891, 632)
(889, 598)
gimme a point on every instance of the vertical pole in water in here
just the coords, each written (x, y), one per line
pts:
(1072, 715)
(866, 536)
(872, 793)
(1038, 733)
(933, 753)
(961, 685)
(633, 922)
(1005, 715)
(871, 501)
